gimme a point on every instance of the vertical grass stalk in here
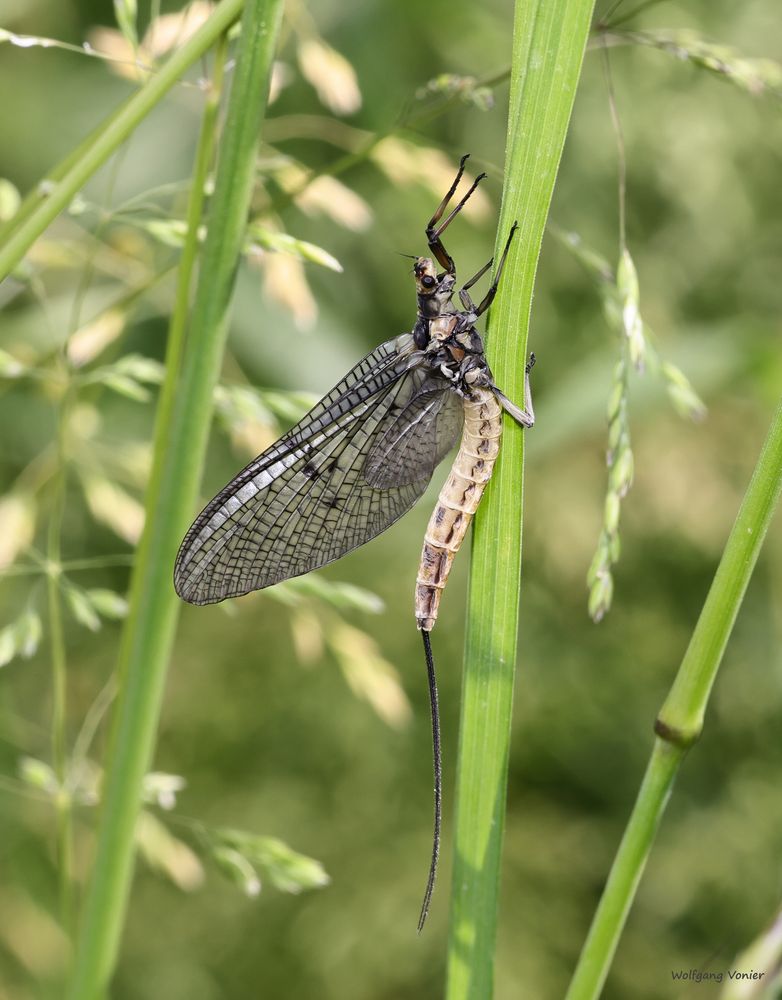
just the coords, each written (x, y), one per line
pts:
(681, 718)
(549, 38)
(59, 672)
(180, 444)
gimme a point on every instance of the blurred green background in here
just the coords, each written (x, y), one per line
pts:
(309, 722)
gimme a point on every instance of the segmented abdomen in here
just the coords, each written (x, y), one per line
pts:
(458, 501)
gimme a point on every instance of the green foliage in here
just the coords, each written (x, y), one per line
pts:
(758, 76)
(548, 47)
(621, 306)
(243, 855)
(20, 638)
(295, 724)
(680, 721)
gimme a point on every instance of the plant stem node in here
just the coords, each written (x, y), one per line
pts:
(672, 734)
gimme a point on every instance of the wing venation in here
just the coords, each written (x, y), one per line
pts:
(350, 468)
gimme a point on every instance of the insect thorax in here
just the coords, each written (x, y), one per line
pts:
(455, 350)
(451, 345)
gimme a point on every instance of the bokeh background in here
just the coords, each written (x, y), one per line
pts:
(304, 717)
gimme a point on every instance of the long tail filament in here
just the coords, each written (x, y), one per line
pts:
(438, 778)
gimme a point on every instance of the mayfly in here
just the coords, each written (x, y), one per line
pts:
(363, 456)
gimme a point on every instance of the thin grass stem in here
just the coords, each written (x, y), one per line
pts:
(59, 678)
(681, 718)
(621, 156)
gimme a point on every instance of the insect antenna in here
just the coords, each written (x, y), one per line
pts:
(438, 778)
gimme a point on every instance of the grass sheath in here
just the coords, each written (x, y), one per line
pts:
(549, 39)
(681, 718)
(180, 443)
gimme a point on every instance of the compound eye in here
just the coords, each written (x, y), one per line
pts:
(428, 281)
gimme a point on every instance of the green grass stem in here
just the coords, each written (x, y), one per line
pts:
(681, 717)
(549, 38)
(180, 443)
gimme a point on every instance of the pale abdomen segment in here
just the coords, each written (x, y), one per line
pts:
(458, 501)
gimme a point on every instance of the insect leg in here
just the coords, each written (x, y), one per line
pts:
(526, 416)
(434, 232)
(464, 294)
(489, 297)
(449, 194)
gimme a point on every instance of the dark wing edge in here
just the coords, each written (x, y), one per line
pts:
(310, 497)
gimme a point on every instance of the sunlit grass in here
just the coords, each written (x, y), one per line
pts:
(548, 47)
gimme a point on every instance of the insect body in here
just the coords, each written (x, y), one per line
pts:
(363, 456)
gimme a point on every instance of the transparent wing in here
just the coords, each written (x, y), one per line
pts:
(411, 442)
(312, 496)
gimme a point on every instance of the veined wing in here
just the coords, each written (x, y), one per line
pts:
(411, 443)
(311, 497)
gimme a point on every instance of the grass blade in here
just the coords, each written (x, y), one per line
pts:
(180, 443)
(549, 39)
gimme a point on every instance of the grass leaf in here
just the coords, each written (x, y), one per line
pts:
(184, 416)
(549, 39)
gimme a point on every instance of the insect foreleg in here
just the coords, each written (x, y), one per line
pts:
(489, 296)
(434, 232)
